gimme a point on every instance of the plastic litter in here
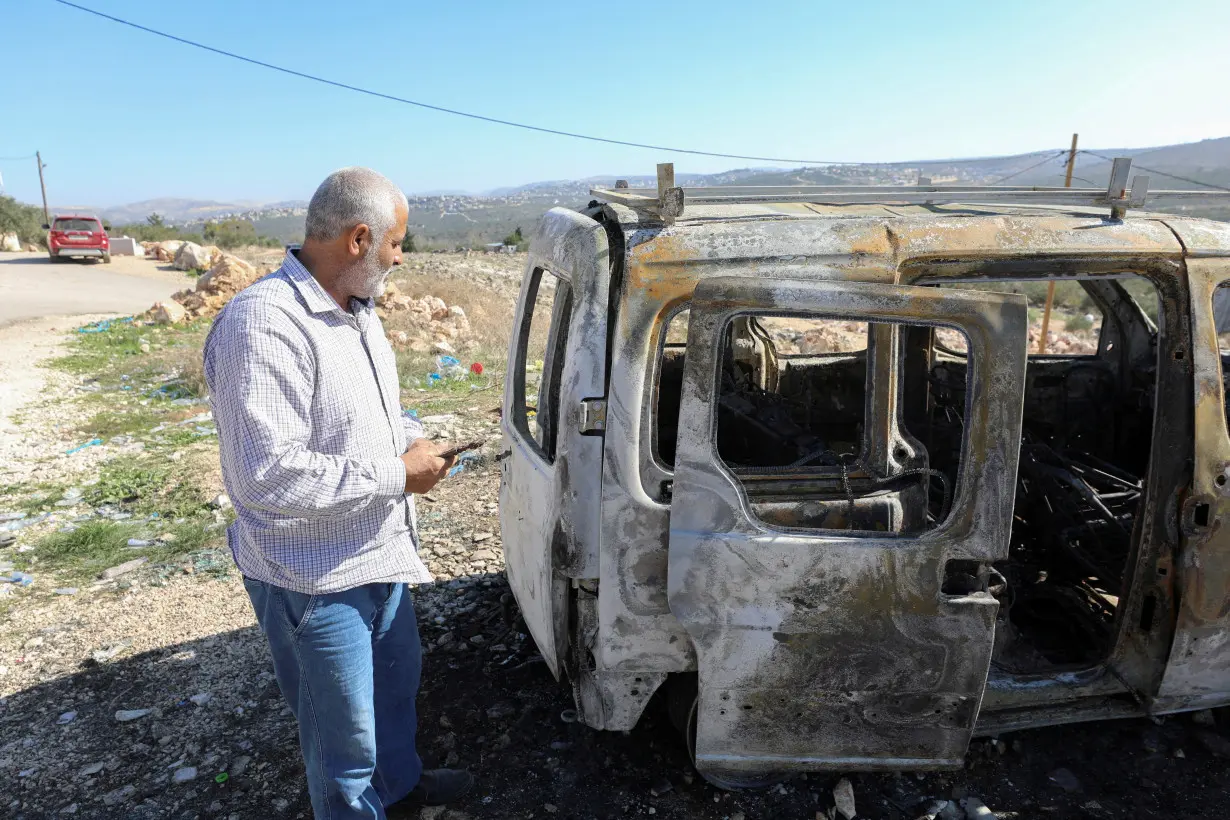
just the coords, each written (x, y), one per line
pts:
(104, 325)
(66, 591)
(477, 368)
(185, 774)
(91, 443)
(125, 715)
(22, 523)
(221, 777)
(463, 461)
(67, 717)
(138, 542)
(20, 578)
(449, 367)
(12, 516)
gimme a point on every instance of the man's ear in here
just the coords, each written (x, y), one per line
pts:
(360, 240)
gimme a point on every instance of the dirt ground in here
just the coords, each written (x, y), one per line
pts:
(217, 741)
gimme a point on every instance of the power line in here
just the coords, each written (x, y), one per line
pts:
(357, 89)
(1162, 173)
(16, 159)
(1051, 158)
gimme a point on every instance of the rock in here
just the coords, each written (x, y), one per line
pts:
(125, 715)
(183, 775)
(933, 810)
(239, 765)
(1214, 743)
(164, 251)
(122, 569)
(549, 808)
(9, 243)
(444, 347)
(91, 769)
(399, 337)
(201, 698)
(480, 537)
(281, 804)
(32, 248)
(1064, 779)
(661, 787)
(67, 717)
(168, 313)
(221, 502)
(192, 256)
(226, 277)
(1204, 717)
(120, 795)
(975, 809)
(843, 797)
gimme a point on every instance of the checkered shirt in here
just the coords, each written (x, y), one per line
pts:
(310, 428)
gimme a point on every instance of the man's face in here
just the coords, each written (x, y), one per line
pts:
(367, 276)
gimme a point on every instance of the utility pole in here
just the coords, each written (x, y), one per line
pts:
(1050, 286)
(43, 185)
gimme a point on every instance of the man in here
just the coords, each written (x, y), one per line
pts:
(314, 456)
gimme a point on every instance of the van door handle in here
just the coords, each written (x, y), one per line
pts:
(503, 455)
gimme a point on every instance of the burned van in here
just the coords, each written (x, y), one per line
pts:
(804, 458)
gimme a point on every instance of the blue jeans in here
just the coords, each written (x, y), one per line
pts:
(348, 664)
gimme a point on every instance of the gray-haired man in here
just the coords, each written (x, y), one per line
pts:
(320, 463)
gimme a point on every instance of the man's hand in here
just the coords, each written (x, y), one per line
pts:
(424, 467)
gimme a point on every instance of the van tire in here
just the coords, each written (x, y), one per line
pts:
(682, 704)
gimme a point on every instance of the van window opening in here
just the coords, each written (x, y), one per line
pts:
(540, 359)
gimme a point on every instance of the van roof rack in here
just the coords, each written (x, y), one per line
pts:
(668, 202)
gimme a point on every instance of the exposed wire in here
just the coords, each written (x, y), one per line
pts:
(1051, 158)
(497, 121)
(1162, 173)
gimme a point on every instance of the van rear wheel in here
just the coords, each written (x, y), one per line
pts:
(683, 705)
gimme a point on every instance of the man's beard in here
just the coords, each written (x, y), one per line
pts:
(366, 278)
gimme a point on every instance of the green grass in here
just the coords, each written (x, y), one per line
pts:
(96, 545)
(108, 423)
(146, 484)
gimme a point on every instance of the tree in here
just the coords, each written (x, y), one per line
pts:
(24, 220)
(515, 238)
(155, 220)
(230, 233)
(407, 243)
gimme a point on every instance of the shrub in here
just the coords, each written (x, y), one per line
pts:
(24, 220)
(1077, 323)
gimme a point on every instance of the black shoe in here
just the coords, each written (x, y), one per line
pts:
(437, 787)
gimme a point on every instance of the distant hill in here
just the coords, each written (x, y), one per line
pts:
(445, 219)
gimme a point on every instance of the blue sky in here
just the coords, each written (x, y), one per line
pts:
(122, 116)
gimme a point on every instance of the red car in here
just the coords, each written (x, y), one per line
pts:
(77, 235)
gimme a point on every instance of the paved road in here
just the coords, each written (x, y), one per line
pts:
(31, 286)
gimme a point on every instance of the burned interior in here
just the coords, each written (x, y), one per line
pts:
(798, 426)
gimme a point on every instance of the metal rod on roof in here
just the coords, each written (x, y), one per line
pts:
(1050, 286)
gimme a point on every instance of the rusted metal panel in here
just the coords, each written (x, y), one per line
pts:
(549, 509)
(1198, 672)
(823, 650)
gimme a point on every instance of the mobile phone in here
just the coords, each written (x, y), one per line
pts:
(458, 449)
